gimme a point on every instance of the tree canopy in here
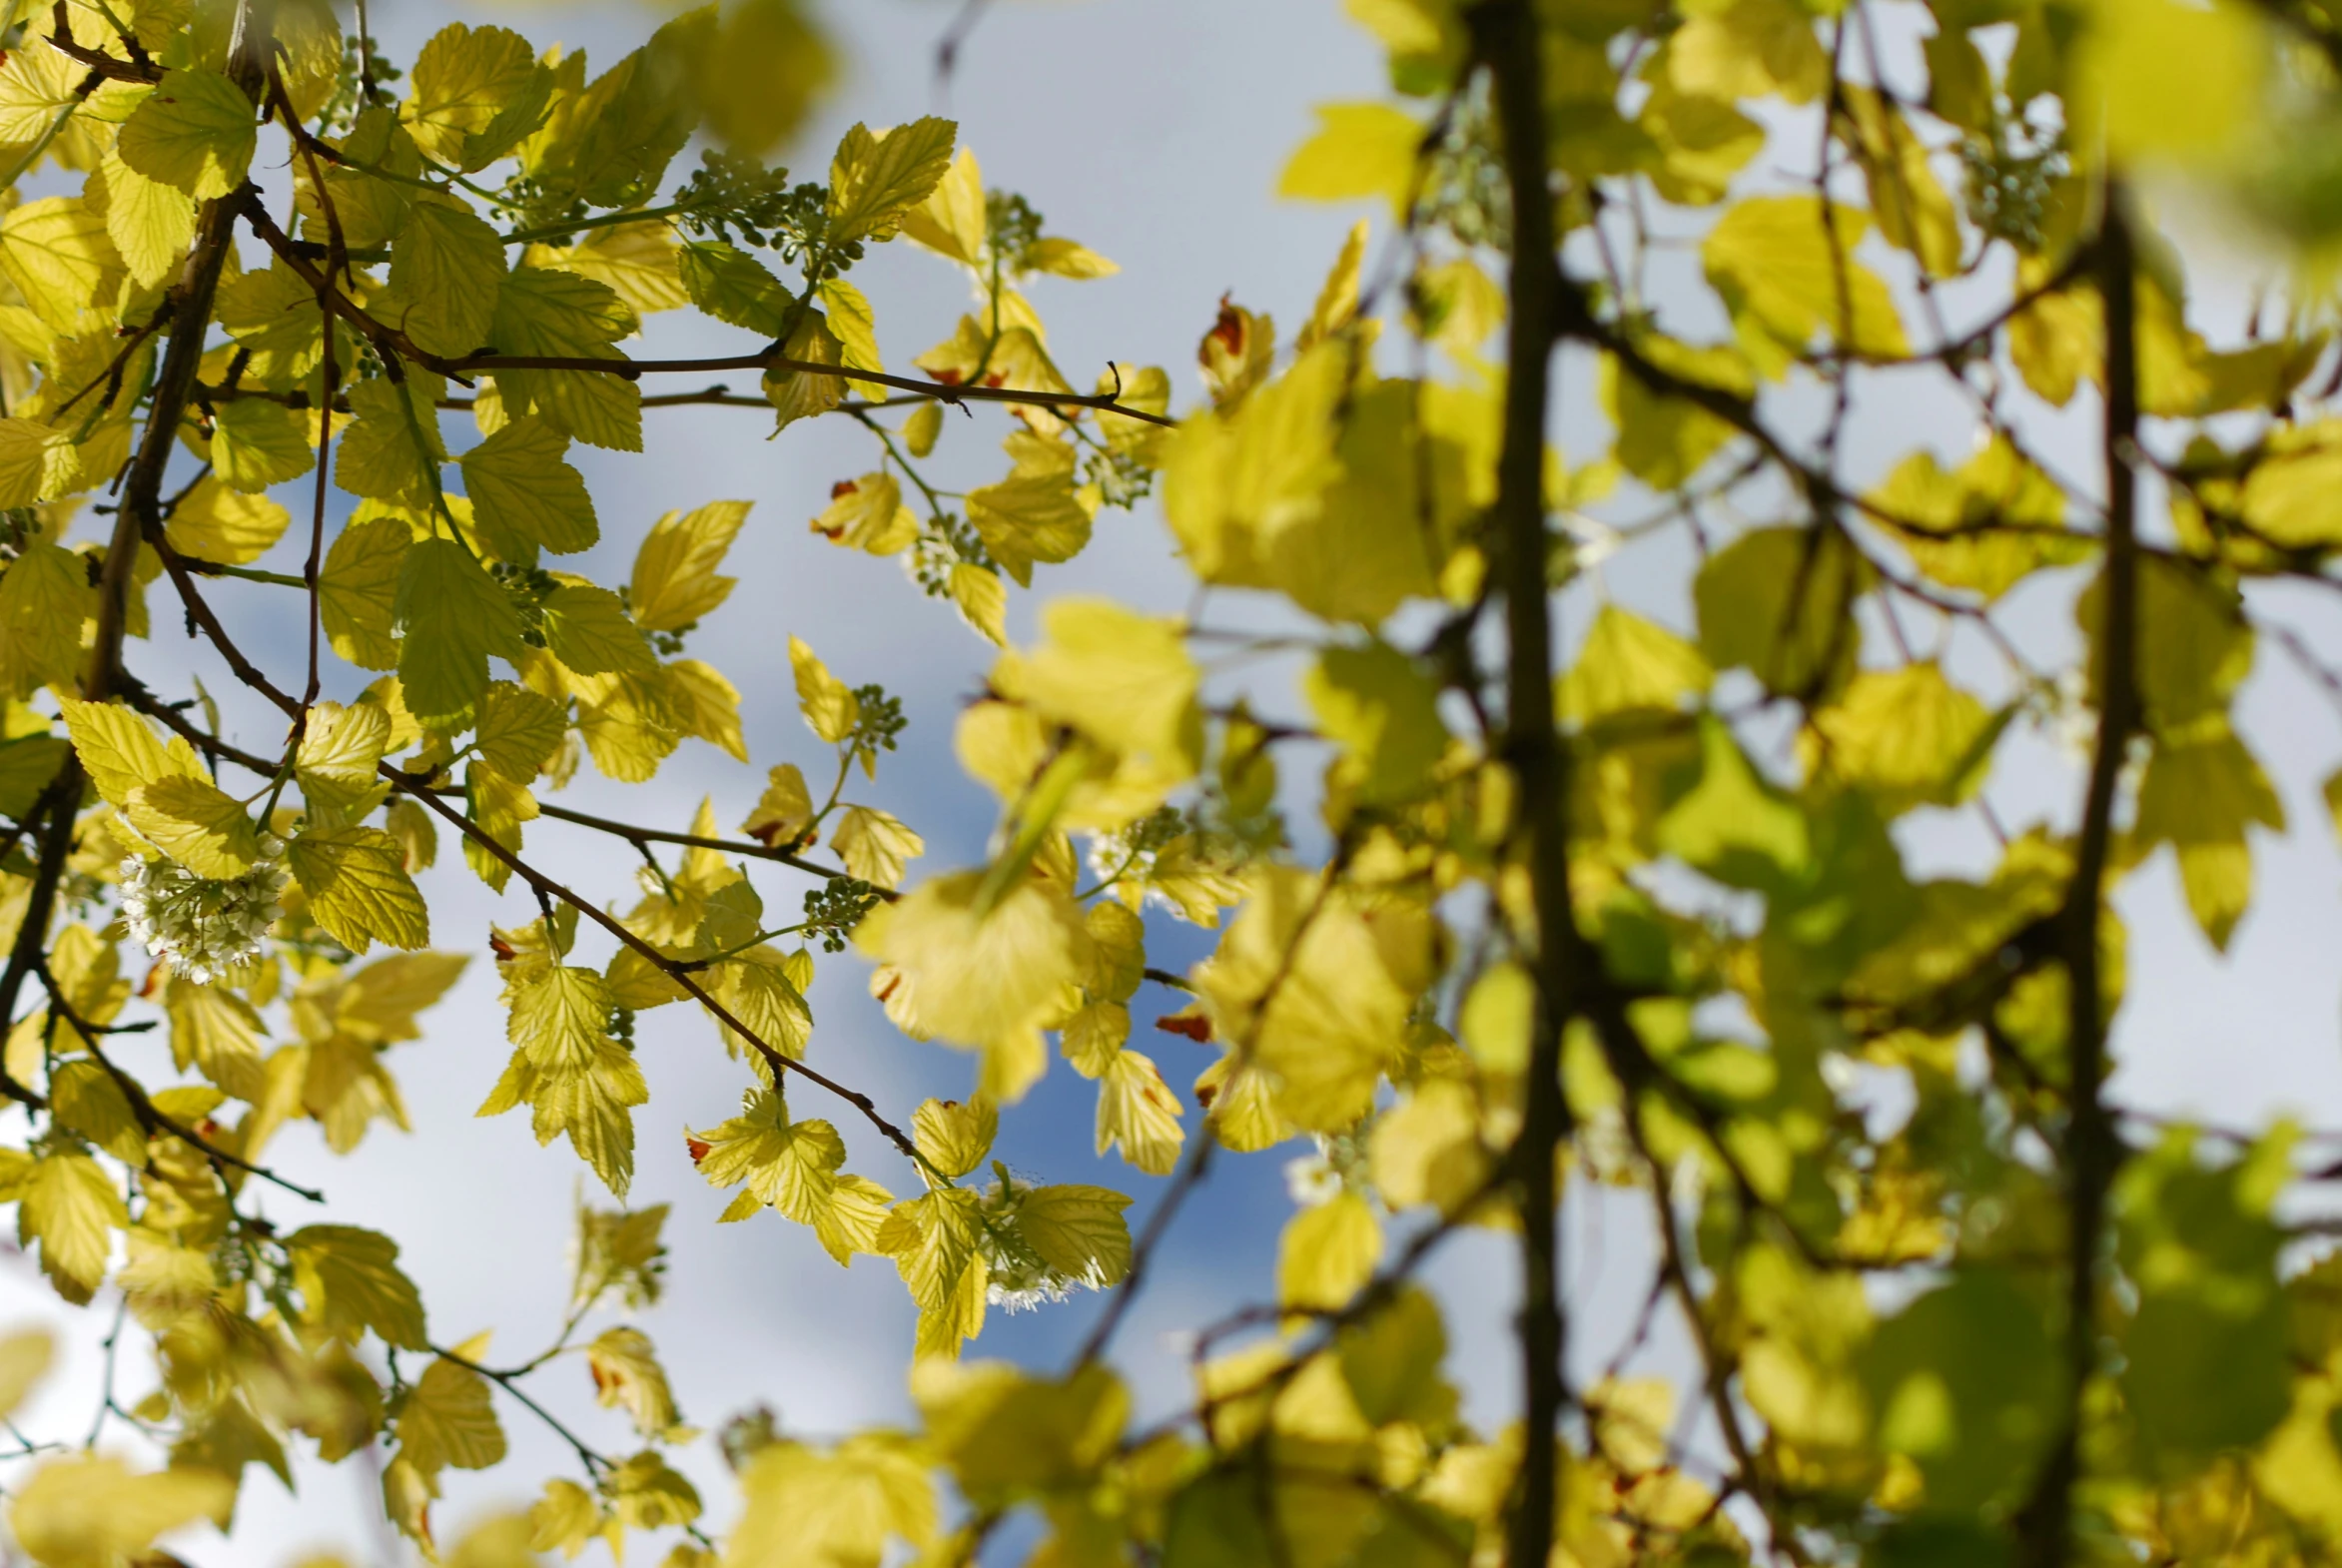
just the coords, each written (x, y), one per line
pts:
(1518, 901)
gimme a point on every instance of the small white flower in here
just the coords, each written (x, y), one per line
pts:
(203, 927)
(1311, 1179)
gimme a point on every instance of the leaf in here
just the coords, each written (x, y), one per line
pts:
(1781, 274)
(952, 220)
(56, 251)
(854, 325)
(784, 811)
(218, 1032)
(91, 1511)
(835, 1510)
(196, 824)
(1908, 736)
(446, 273)
(2173, 80)
(1122, 679)
(627, 1374)
(1036, 518)
(25, 1356)
(350, 1282)
(878, 176)
(1963, 1380)
(88, 1100)
(519, 731)
(357, 592)
(195, 132)
(830, 707)
(868, 515)
(766, 68)
(448, 1419)
(120, 750)
(648, 1494)
(452, 617)
(802, 386)
(257, 443)
(733, 285)
(215, 522)
(44, 599)
(1320, 996)
(951, 1137)
(1383, 713)
(1327, 1255)
(758, 989)
(1137, 1113)
(35, 463)
(546, 312)
(875, 845)
(150, 222)
(1628, 663)
(473, 93)
(1359, 150)
(339, 749)
(675, 584)
(358, 885)
(983, 600)
(789, 1165)
(1781, 603)
(1063, 258)
(1078, 1232)
(589, 631)
(70, 1209)
(28, 765)
(975, 977)
(2201, 790)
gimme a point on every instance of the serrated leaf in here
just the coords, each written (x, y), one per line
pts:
(358, 591)
(875, 845)
(195, 132)
(519, 731)
(358, 885)
(523, 494)
(878, 176)
(452, 617)
(201, 826)
(590, 631)
(542, 312)
(257, 443)
(789, 1165)
(445, 272)
(350, 1282)
(70, 1209)
(733, 285)
(675, 583)
(448, 1419)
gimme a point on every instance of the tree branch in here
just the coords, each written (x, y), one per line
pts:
(2092, 1149)
(1505, 37)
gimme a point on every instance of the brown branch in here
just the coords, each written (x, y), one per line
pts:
(2092, 1149)
(1506, 40)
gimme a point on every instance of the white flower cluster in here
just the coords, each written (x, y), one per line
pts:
(1020, 1280)
(204, 927)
